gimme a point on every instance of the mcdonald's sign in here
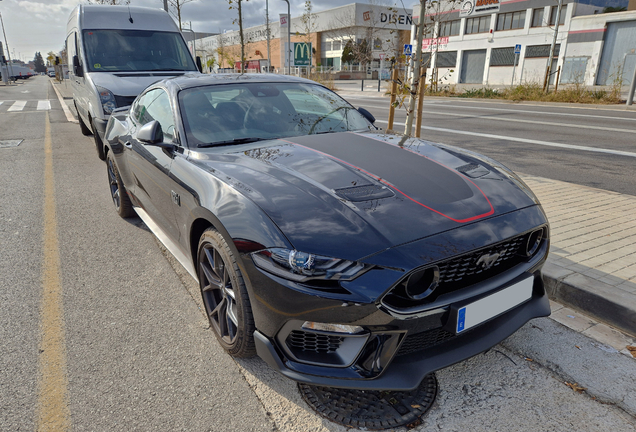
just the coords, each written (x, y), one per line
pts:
(302, 52)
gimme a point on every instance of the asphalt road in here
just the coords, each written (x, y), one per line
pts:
(99, 322)
(580, 145)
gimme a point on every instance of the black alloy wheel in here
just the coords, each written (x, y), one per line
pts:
(118, 190)
(225, 296)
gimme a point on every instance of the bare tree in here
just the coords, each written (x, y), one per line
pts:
(175, 7)
(238, 5)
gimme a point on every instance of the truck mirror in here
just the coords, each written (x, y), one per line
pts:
(77, 68)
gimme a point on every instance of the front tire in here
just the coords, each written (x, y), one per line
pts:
(99, 144)
(118, 190)
(224, 295)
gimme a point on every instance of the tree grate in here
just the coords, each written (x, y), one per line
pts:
(372, 409)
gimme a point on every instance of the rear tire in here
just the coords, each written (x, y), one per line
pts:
(227, 304)
(117, 189)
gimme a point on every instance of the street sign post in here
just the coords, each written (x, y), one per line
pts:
(408, 49)
(514, 65)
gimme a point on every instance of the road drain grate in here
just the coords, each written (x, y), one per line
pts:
(372, 410)
(10, 143)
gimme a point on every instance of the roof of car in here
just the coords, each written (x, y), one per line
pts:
(197, 80)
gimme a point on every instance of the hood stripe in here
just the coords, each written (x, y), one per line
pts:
(492, 210)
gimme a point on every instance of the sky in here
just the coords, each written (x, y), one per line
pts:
(40, 25)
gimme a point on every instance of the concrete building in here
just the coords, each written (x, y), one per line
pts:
(385, 29)
(501, 42)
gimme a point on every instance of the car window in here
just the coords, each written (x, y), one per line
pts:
(158, 108)
(221, 113)
(141, 104)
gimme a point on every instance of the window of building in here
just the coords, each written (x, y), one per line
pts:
(535, 51)
(325, 46)
(447, 59)
(336, 45)
(426, 59)
(502, 56)
(537, 17)
(377, 44)
(449, 28)
(553, 14)
(511, 20)
(478, 24)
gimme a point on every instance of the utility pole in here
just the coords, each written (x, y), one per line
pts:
(267, 30)
(416, 73)
(9, 67)
(554, 39)
(288, 37)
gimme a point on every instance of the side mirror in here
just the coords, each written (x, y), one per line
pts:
(367, 115)
(77, 68)
(199, 65)
(150, 133)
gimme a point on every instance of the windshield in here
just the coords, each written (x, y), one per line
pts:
(136, 50)
(228, 113)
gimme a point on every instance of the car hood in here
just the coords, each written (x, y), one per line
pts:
(127, 84)
(351, 195)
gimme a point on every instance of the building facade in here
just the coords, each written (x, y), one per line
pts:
(383, 29)
(504, 42)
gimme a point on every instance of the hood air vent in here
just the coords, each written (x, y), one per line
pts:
(364, 193)
(473, 170)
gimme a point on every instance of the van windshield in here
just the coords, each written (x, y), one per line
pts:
(136, 50)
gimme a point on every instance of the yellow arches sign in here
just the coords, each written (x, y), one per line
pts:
(302, 53)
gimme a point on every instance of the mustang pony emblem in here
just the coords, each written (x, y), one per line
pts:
(486, 261)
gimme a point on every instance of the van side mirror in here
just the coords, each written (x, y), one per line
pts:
(77, 68)
(367, 115)
(199, 64)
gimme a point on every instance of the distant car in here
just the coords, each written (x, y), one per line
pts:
(341, 255)
(52, 74)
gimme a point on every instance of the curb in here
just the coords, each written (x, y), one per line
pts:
(592, 297)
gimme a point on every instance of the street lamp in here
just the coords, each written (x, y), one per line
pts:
(288, 36)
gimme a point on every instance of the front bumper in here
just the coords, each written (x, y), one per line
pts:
(405, 372)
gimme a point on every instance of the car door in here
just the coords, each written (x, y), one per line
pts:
(148, 164)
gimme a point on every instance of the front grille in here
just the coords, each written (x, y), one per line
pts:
(463, 271)
(123, 101)
(316, 342)
(420, 341)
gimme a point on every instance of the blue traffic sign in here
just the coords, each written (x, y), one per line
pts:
(408, 49)
(518, 49)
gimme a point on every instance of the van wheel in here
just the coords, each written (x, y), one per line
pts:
(99, 144)
(85, 130)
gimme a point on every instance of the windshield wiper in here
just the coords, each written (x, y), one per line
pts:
(233, 141)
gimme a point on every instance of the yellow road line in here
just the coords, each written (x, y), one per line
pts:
(53, 413)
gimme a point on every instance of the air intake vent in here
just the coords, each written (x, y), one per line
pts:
(473, 170)
(364, 193)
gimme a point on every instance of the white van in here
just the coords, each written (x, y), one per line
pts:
(114, 53)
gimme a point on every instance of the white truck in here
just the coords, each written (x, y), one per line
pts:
(114, 53)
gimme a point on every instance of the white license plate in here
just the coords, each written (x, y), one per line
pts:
(493, 305)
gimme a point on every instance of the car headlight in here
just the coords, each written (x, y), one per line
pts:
(107, 99)
(301, 266)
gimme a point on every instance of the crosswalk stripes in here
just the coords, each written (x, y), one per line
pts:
(23, 105)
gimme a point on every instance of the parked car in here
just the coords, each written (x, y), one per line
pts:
(115, 52)
(341, 255)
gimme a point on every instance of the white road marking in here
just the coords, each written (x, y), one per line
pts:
(525, 140)
(543, 123)
(1, 102)
(17, 105)
(67, 111)
(44, 105)
(592, 107)
(545, 112)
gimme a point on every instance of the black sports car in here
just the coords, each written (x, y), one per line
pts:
(341, 255)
